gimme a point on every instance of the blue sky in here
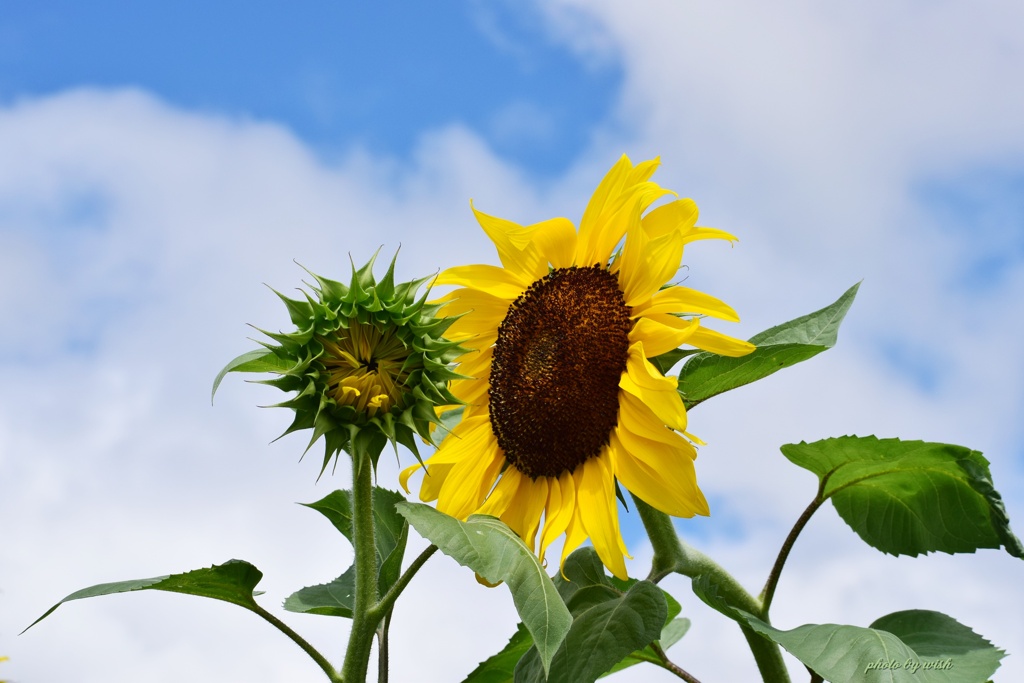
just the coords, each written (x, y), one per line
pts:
(337, 73)
(158, 165)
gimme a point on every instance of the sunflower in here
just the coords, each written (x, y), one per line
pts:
(561, 401)
(367, 363)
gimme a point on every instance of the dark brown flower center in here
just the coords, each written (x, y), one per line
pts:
(555, 374)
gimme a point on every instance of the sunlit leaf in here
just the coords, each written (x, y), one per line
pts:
(601, 636)
(233, 581)
(708, 374)
(914, 646)
(910, 497)
(671, 634)
(492, 550)
(500, 667)
(334, 599)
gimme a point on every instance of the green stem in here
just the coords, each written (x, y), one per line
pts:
(388, 601)
(301, 642)
(669, 555)
(768, 657)
(773, 578)
(382, 649)
(365, 617)
(668, 665)
(673, 555)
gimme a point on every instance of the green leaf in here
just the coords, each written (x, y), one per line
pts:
(933, 635)
(602, 636)
(708, 374)
(588, 586)
(500, 668)
(671, 634)
(915, 646)
(260, 360)
(233, 581)
(390, 531)
(492, 550)
(583, 574)
(910, 497)
(334, 599)
(666, 361)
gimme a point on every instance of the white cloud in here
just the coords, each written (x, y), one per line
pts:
(135, 237)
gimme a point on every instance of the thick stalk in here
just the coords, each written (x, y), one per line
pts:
(364, 616)
(673, 555)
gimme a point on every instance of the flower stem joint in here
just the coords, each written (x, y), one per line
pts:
(367, 363)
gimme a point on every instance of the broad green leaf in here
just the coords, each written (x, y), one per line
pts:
(500, 668)
(708, 374)
(933, 636)
(233, 581)
(587, 587)
(492, 550)
(602, 636)
(260, 360)
(583, 573)
(915, 646)
(390, 532)
(334, 599)
(671, 634)
(910, 497)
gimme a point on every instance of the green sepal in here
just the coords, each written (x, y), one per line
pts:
(297, 358)
(260, 360)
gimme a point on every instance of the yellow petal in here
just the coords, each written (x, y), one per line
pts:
(616, 203)
(640, 419)
(719, 343)
(495, 281)
(685, 300)
(609, 186)
(658, 392)
(471, 392)
(660, 475)
(677, 216)
(662, 334)
(554, 241)
(479, 312)
(507, 236)
(403, 476)
(503, 494)
(433, 480)
(575, 532)
(477, 364)
(469, 481)
(599, 512)
(699, 233)
(558, 514)
(524, 513)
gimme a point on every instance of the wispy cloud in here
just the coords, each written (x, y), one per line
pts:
(135, 237)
